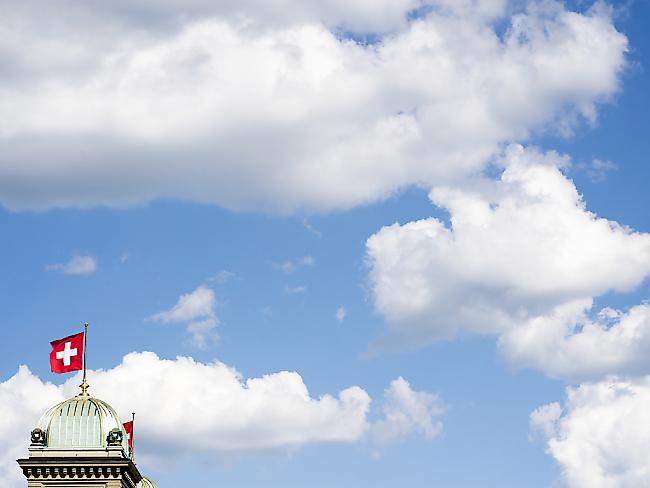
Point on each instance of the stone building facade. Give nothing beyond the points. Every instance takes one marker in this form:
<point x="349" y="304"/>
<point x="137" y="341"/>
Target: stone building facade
<point x="81" y="443"/>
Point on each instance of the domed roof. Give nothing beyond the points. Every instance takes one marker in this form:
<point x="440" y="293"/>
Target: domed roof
<point x="80" y="422"/>
<point x="146" y="483"/>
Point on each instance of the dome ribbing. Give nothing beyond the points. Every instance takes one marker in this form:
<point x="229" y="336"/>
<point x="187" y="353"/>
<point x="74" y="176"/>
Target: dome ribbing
<point x="80" y="422"/>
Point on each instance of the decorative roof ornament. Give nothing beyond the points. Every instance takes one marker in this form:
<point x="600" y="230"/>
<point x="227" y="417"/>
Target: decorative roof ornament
<point x="38" y="437"/>
<point x="114" y="437"/>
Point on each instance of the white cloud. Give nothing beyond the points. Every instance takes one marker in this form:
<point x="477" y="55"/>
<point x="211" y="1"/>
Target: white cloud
<point x="23" y="398"/>
<point x="405" y="412"/>
<point x="190" y="306"/>
<point x="270" y="412"/>
<point x="76" y="265"/>
<point x="295" y="290"/>
<point x="223" y="277"/>
<point x="221" y="413"/>
<point x="543" y="420"/>
<point x="601" y="436"/>
<point x="285" y="266"/>
<point x="308" y="260"/>
<point x="197" y="310"/>
<point x="290" y="266"/>
<point x="341" y="313"/>
<point x="516" y="251"/>
<point x="338" y="123"/>
<point x="307" y="225"/>
<point x="569" y="344"/>
<point x="598" y="169"/>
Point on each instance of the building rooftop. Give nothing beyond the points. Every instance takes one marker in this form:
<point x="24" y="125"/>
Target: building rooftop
<point x="80" y="422"/>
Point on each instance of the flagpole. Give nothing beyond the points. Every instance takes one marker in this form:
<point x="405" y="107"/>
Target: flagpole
<point x="133" y="437"/>
<point x="84" y="384"/>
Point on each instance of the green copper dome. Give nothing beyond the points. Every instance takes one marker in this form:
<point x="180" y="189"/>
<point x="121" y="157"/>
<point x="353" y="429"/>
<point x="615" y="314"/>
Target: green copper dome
<point x="146" y="483"/>
<point x="81" y="422"/>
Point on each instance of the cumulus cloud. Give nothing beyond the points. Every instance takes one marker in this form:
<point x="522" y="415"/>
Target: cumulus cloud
<point x="520" y="250"/>
<point x="76" y="266"/>
<point x="23" y="398"/>
<point x="221" y="413"/>
<point x="569" y="344"/>
<point x="601" y="435"/>
<point x="276" y="108"/>
<point x="273" y="411"/>
<point x="407" y="411"/>
<point x="196" y="309"/>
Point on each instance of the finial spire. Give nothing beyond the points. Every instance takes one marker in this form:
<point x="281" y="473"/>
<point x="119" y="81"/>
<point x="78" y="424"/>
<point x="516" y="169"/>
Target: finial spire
<point x="84" y="384"/>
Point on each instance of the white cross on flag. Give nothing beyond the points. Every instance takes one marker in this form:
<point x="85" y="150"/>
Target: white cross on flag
<point x="128" y="428"/>
<point x="67" y="354"/>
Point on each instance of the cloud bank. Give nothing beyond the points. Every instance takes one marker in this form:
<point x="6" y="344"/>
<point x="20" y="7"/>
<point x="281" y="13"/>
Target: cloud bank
<point x="522" y="258"/>
<point x="279" y="109"/>
<point x="209" y="410"/>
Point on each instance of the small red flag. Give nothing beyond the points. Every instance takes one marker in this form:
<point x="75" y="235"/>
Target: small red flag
<point x="67" y="354"/>
<point x="128" y="427"/>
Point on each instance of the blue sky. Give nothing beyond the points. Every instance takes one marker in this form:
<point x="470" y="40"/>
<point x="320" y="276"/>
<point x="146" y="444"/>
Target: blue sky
<point x="267" y="199"/>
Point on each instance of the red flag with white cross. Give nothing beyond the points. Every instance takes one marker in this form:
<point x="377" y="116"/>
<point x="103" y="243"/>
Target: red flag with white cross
<point x="128" y="427"/>
<point x="67" y="354"/>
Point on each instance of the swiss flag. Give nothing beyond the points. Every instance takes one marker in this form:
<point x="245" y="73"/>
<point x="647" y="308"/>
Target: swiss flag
<point x="128" y="427"/>
<point x="67" y="354"/>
